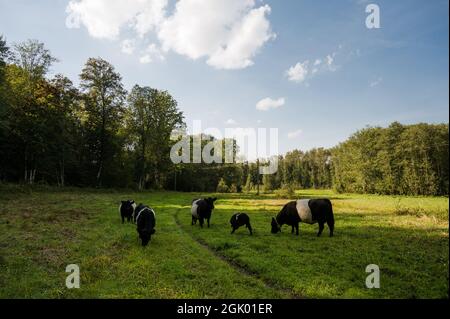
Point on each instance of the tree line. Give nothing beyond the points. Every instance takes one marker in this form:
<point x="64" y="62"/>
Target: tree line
<point x="96" y="134"/>
<point x="100" y="135"/>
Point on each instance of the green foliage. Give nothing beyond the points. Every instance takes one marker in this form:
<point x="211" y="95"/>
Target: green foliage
<point x="233" y="188"/>
<point x="153" y="117"/>
<point x="96" y="135"/>
<point x="33" y="58"/>
<point x="104" y="97"/>
<point x="287" y="191"/>
<point x="248" y="184"/>
<point x="405" y="160"/>
<point x="222" y="187"/>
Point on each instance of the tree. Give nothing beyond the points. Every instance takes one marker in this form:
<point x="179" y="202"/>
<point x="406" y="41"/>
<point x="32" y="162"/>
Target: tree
<point x="34" y="59"/>
<point x="28" y="98"/>
<point x="154" y="115"/>
<point x="65" y="124"/>
<point x="104" y="97"/>
<point x="248" y="184"/>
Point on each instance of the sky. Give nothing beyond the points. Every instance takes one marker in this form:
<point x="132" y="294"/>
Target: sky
<point x="310" y="68"/>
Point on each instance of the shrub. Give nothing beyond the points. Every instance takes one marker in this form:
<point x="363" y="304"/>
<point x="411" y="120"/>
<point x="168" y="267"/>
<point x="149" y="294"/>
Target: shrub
<point x="222" y="187"/>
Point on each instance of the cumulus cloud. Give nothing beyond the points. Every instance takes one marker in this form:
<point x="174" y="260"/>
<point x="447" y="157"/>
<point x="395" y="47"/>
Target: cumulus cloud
<point x="151" y="54"/>
<point x="128" y="46"/>
<point x="295" y="134"/>
<point x="268" y="103"/>
<point x="376" y="82"/>
<point x="298" y="72"/>
<point x="302" y="71"/>
<point x="104" y="19"/>
<point x="227" y="33"/>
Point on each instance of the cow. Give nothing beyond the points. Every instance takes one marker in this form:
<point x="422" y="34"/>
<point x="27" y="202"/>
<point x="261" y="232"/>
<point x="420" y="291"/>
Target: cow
<point x="310" y="211"/>
<point x="240" y="219"/>
<point x="201" y="210"/>
<point x="145" y="219"/>
<point x="126" y="210"/>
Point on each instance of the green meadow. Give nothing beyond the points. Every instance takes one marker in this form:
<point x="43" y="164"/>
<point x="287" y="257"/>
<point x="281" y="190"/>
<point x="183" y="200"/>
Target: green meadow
<point x="44" y="230"/>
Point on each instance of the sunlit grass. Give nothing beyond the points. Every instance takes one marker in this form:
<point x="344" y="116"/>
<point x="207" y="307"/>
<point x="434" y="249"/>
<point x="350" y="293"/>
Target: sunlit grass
<point x="43" y="231"/>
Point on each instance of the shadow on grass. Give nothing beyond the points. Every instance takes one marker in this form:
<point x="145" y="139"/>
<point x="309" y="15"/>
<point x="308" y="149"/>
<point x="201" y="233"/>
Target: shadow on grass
<point x="413" y="261"/>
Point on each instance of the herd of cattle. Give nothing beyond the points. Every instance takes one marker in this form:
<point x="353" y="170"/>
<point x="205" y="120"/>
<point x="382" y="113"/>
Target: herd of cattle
<point x="310" y="211"/>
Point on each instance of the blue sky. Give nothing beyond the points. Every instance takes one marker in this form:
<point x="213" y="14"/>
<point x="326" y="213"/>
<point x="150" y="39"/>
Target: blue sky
<point x="361" y="76"/>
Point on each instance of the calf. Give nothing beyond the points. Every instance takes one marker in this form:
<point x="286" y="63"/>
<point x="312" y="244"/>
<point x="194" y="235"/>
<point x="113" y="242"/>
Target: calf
<point x="126" y="210"/>
<point x="202" y="209"/>
<point x="145" y="219"/>
<point x="240" y="219"/>
<point x="308" y="211"/>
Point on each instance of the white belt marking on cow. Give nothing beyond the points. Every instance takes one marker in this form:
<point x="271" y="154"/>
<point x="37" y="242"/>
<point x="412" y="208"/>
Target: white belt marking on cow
<point x="194" y="208"/>
<point x="144" y="209"/>
<point x="304" y="212"/>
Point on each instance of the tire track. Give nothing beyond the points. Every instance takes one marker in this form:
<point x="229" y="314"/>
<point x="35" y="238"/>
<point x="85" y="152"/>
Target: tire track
<point x="236" y="266"/>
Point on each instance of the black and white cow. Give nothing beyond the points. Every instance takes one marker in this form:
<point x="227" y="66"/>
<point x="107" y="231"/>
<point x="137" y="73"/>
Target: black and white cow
<point x="310" y="211"/>
<point x="202" y="209"/>
<point x="126" y="210"/>
<point x="240" y="219"/>
<point x="145" y="219"/>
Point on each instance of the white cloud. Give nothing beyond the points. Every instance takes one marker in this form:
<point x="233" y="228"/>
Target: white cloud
<point x="230" y="122"/>
<point x="298" y="72"/>
<point x="295" y="134"/>
<point x="302" y="71"/>
<point x="268" y="103"/>
<point x="330" y="59"/>
<point x="151" y="54"/>
<point x="227" y="33"/>
<point x="376" y="82"/>
<point x="128" y="46"/>
<point x="105" y="18"/>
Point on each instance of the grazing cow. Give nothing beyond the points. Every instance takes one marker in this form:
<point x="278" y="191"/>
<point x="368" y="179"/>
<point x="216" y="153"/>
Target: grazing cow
<point x="126" y="210"/>
<point x="145" y="219"/>
<point x="202" y="209"/>
<point x="240" y="219"/>
<point x="308" y="211"/>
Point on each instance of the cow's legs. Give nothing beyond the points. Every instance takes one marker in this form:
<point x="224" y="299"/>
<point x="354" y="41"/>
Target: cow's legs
<point x="330" y="224"/>
<point x="292" y="230"/>
<point x="249" y="227"/>
<point x="201" y="222"/>
<point x="296" y="229"/>
<point x="234" y="229"/>
<point x="321" y="227"/>
<point x="208" y="222"/>
<point x="123" y="219"/>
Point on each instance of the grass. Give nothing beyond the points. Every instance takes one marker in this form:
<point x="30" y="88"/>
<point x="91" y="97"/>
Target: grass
<point x="42" y="231"/>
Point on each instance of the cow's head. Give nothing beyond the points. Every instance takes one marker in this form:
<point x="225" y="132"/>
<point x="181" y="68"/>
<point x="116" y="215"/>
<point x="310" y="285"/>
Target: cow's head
<point x="275" y="226"/>
<point x="145" y="236"/>
<point x="210" y="202"/>
<point x="129" y="203"/>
